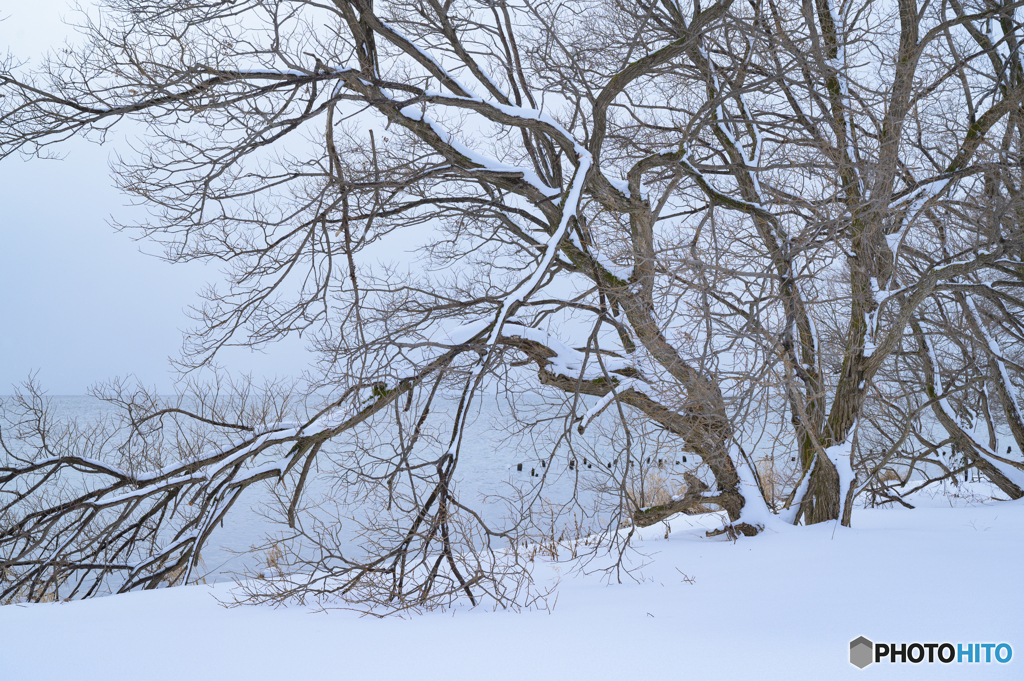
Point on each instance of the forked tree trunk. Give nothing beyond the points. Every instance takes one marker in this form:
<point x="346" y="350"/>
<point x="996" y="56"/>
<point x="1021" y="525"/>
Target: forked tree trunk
<point x="821" y="503"/>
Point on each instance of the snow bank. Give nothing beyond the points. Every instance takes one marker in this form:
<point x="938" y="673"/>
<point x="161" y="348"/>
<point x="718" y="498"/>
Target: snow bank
<point x="783" y="605"/>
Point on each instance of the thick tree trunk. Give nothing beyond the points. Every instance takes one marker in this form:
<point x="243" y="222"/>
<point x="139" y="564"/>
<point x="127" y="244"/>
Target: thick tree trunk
<point x="705" y="435"/>
<point x="821" y="502"/>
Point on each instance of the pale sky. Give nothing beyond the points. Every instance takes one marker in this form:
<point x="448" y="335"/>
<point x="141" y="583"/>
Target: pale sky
<point x="80" y="303"/>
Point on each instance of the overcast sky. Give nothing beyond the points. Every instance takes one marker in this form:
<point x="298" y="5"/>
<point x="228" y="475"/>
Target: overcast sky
<point x="80" y="303"/>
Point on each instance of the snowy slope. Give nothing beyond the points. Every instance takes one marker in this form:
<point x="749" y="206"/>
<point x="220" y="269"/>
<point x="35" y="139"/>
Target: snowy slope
<point x="783" y="605"/>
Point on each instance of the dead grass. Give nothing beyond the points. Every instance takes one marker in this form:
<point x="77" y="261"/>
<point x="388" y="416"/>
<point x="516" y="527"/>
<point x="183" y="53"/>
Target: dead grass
<point x="888" y="475"/>
<point x="776" y="480"/>
<point x="22" y="595"/>
<point x="175" y="577"/>
<point x="655" y="489"/>
<point x="659" y="488"/>
<point x="272" y="559"/>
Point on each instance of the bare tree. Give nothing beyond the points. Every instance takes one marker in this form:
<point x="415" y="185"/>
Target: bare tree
<point x="680" y="224"/>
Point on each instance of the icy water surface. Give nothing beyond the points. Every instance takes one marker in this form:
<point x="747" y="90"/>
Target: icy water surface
<point x="488" y="469"/>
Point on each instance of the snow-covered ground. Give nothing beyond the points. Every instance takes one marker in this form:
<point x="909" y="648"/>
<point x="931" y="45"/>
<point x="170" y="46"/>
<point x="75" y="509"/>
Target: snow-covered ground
<point x="784" y="605"/>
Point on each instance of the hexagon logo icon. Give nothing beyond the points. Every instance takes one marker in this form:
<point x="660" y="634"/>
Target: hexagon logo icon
<point x="861" y="651"/>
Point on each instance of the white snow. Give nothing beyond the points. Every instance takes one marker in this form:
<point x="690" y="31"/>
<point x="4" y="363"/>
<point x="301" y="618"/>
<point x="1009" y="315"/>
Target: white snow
<point x="915" y="202"/>
<point x="526" y="287"/>
<point x="755" y="511"/>
<point x="840" y="455"/>
<point x="465" y="332"/>
<point x="784" y="605"/>
<point x="106" y="502"/>
<point x="997" y="354"/>
<point x="789" y="515"/>
<point x="603" y="403"/>
<point x="484" y="162"/>
<point x="568" y="361"/>
<point x="1013" y="474"/>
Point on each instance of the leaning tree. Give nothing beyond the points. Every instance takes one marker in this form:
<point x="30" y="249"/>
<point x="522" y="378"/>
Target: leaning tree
<point x="695" y="225"/>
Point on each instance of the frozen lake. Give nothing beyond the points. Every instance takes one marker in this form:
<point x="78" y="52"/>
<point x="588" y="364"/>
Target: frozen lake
<point x="487" y="472"/>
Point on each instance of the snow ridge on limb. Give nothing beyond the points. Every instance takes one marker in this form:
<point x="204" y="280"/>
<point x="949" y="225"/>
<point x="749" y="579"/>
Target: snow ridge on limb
<point x="521" y="293"/>
<point x="602" y="404"/>
<point x="755" y="513"/>
<point x="794" y="505"/>
<point x="570" y="208"/>
<point x="478" y="161"/>
<point x="1009" y="479"/>
<point x="841" y="456"/>
<point x="1014" y="415"/>
<point x="1013" y="473"/>
<point x="189" y="497"/>
<point x="564" y="368"/>
<point x="559" y="359"/>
